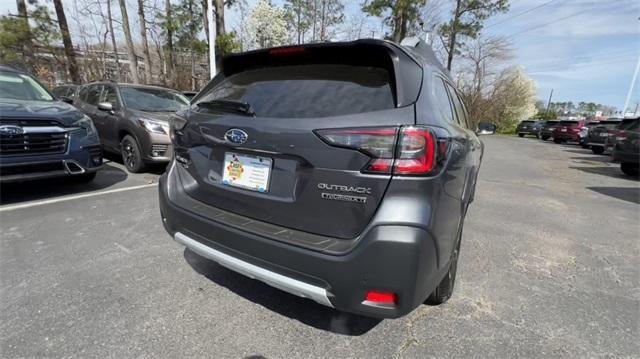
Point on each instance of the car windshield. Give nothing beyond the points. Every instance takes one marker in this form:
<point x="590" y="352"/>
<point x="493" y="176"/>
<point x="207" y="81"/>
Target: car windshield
<point x="16" y="86"/>
<point x="153" y="99"/>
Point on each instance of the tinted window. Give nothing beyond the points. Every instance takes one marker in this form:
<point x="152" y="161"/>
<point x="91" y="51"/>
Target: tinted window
<point x="93" y="96"/>
<point x="109" y="95"/>
<point x="153" y="99"/>
<point x="635" y="126"/>
<point x="443" y="103"/>
<point x="18" y="86"/>
<point x="59" y="91"/>
<point x="307" y="90"/>
<point x="84" y="91"/>
<point x="626" y="123"/>
<point x="527" y="121"/>
<point x="569" y="123"/>
<point x="457" y="102"/>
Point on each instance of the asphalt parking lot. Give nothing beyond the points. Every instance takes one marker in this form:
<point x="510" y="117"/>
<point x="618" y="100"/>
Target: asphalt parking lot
<point x="549" y="268"/>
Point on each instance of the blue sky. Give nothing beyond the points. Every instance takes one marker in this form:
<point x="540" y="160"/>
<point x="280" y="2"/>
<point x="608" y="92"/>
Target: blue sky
<point x="586" y="50"/>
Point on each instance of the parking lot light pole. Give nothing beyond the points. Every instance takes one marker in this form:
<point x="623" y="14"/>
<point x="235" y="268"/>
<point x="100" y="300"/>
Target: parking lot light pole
<point x="633" y="84"/>
<point x="212" y="40"/>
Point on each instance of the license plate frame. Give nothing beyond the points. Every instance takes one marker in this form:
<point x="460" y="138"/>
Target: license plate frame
<point x="247" y="171"/>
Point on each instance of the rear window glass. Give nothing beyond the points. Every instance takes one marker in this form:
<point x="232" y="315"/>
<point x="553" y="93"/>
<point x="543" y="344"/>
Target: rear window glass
<point x="308" y="90"/>
<point x="625" y="124"/>
<point x="527" y="122"/>
<point x="568" y="123"/>
<point x="608" y="124"/>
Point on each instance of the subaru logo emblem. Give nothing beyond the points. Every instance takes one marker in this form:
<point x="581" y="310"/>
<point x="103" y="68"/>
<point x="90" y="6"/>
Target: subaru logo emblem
<point x="11" y="130"/>
<point x="236" y="136"/>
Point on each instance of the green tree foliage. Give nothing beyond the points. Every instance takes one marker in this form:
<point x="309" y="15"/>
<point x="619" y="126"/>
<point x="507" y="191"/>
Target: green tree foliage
<point x="400" y="15"/>
<point x="14" y="32"/>
<point x="227" y="44"/>
<point x="299" y="17"/>
<point x="467" y="20"/>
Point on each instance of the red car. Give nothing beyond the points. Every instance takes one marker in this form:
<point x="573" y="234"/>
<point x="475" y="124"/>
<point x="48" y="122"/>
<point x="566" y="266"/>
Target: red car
<point x="568" y="131"/>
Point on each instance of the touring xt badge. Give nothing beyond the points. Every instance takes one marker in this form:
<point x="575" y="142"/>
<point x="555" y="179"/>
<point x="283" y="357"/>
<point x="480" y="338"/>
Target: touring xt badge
<point x="344" y="197"/>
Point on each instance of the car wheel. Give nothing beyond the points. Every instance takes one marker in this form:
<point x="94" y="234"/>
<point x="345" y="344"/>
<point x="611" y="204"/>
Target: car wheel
<point x="597" y="150"/>
<point x="586" y="147"/>
<point x="444" y="290"/>
<point x="521" y="135"/>
<point x="131" y="155"/>
<point x="544" y="138"/>
<point x="537" y="135"/>
<point x="557" y="140"/>
<point x="85" y="177"/>
<point x="630" y="169"/>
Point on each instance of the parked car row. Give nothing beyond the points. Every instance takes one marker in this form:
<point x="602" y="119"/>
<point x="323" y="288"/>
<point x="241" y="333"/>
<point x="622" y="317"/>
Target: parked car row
<point x="63" y="132"/>
<point x="614" y="136"/>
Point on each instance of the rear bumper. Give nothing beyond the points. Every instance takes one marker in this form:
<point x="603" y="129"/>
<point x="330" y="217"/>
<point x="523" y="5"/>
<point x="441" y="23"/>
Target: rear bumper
<point x="566" y="136"/>
<point x="400" y="259"/>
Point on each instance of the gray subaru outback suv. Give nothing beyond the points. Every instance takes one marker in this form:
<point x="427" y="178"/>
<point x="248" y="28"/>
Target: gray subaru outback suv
<point x="338" y="172"/>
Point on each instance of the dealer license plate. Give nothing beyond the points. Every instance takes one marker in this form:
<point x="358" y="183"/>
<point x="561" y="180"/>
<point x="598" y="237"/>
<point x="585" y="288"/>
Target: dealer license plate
<point x="249" y="172"/>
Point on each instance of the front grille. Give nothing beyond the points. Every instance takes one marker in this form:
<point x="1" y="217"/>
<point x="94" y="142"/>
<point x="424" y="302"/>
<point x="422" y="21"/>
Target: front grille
<point x="28" y="122"/>
<point x="33" y="143"/>
<point x="31" y="168"/>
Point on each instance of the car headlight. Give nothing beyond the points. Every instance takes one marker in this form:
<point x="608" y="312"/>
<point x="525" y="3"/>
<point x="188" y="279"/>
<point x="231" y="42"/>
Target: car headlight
<point x="86" y="124"/>
<point x="154" y="126"/>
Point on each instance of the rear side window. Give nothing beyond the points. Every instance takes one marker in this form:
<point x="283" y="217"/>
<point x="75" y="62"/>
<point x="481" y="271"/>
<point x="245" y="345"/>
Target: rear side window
<point x="93" y="96"/>
<point x="304" y="91"/>
<point x="457" y="102"/>
<point x="443" y="102"/>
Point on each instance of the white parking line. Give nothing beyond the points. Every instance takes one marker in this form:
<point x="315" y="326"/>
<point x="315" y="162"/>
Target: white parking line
<point x="69" y="198"/>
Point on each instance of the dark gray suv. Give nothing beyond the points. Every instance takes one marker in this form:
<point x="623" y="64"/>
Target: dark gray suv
<point x="132" y="119"/>
<point x="338" y="172"/>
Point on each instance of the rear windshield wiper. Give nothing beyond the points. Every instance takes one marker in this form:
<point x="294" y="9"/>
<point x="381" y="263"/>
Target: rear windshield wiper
<point x="229" y="105"/>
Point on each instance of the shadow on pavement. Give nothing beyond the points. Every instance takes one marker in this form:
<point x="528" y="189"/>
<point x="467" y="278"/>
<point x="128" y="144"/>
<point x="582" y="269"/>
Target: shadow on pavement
<point x="55" y="187"/>
<point x="629" y="194"/>
<point x="301" y="309"/>
<point x="610" y="171"/>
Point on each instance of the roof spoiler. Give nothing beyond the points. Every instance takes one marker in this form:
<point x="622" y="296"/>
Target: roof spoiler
<point x="418" y="46"/>
<point x="404" y="68"/>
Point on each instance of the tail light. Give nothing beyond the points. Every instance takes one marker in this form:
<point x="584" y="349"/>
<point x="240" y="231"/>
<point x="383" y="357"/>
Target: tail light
<point x="621" y="135"/>
<point x="409" y="150"/>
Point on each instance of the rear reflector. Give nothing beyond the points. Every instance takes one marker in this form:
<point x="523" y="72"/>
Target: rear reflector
<point x="381" y="297"/>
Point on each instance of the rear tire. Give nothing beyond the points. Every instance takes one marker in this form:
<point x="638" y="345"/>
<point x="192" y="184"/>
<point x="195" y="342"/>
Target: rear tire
<point x="630" y="169"/>
<point x="557" y="140"/>
<point x="521" y="135"/>
<point x="537" y="135"/>
<point x="131" y="155"/>
<point x="597" y="150"/>
<point x="444" y="290"/>
<point x="544" y="138"/>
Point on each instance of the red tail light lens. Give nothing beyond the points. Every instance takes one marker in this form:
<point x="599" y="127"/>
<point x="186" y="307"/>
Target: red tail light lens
<point x="376" y="142"/>
<point x="381" y="297"/>
<point x="283" y="51"/>
<point x="414" y="150"/>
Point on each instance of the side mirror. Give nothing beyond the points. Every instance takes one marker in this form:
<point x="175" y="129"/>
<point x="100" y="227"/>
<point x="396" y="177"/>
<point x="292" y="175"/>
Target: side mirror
<point x="486" y="128"/>
<point x="105" y="106"/>
<point x="66" y="99"/>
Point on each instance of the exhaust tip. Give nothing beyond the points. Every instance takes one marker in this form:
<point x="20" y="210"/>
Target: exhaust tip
<point x="73" y="167"/>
